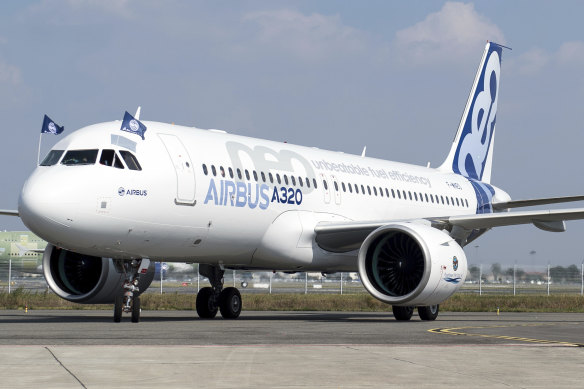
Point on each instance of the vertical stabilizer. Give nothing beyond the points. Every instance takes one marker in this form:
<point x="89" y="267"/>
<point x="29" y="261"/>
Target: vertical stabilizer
<point x="471" y="154"/>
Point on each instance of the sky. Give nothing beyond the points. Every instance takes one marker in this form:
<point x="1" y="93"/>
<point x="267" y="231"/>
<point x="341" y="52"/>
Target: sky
<point x="338" y="75"/>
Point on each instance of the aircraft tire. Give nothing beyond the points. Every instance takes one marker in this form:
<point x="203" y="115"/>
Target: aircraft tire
<point x="203" y="304"/>
<point x="118" y="308"/>
<point x="230" y="303"/>
<point x="402" y="313"/>
<point x="136" y="309"/>
<point x="428" y="312"/>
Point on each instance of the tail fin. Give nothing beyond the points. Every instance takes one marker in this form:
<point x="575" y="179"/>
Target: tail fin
<point x="471" y="154"/>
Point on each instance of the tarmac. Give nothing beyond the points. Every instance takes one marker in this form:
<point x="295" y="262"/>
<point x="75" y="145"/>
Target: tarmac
<point x="85" y="349"/>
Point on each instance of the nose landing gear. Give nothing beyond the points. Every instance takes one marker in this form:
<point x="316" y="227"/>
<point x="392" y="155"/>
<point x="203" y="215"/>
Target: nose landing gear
<point x="128" y="302"/>
<point x="215" y="298"/>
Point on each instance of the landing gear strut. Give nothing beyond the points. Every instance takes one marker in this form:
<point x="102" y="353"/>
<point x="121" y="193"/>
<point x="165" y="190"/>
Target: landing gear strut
<point x="129" y="302"/>
<point x="215" y="298"/>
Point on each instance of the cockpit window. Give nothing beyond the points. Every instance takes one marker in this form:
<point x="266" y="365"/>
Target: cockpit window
<point x="79" y="157"/>
<point x="130" y="160"/>
<point x="110" y="158"/>
<point x="52" y="157"/>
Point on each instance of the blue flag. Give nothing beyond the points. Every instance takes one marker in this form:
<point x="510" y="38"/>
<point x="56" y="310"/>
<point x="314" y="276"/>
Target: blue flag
<point x="129" y="124"/>
<point x="51" y="127"/>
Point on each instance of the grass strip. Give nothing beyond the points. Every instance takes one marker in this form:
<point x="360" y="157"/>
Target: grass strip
<point x="21" y="299"/>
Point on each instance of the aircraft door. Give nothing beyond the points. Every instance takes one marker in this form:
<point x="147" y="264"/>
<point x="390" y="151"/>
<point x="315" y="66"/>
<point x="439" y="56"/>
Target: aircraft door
<point x="326" y="189"/>
<point x="183" y="167"/>
<point x="337" y="190"/>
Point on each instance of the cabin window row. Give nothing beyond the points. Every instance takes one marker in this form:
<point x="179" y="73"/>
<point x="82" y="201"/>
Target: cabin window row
<point x="351" y="188"/>
<point x="269" y="177"/>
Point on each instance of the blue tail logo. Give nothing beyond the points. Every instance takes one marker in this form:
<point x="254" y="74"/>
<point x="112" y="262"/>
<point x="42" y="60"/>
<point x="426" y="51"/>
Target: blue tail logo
<point x="470" y="158"/>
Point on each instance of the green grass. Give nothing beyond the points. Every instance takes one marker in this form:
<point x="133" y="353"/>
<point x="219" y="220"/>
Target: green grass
<point x="361" y="302"/>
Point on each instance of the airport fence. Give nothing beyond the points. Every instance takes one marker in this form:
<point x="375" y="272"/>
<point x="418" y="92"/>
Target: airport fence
<point x="481" y="279"/>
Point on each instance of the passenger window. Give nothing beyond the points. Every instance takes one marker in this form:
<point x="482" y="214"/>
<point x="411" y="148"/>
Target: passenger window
<point x="307" y="182"/>
<point x="362" y="189"/>
<point x="278" y="178"/>
<point x="263" y="176"/>
<point x="247" y="174"/>
<point x="255" y="175"/>
<point x="52" y="157"/>
<point x="293" y="180"/>
<point x="343" y="185"/>
<point x="386" y="192"/>
<point x="415" y="196"/>
<point x="457" y="203"/>
<point x="356" y="188"/>
<point x="222" y="171"/>
<point x="336" y="186"/>
<point x="239" y="173"/>
<point x="80" y="157"/>
<point x="374" y="191"/>
<point x="205" y="169"/>
<point x="325" y="184"/>
<point x="410" y="193"/>
<point x="286" y="179"/>
<point x="230" y="172"/>
<point x="393" y="193"/>
<point x="398" y="195"/>
<point x="271" y="178"/>
<point x="131" y="161"/>
<point x="404" y="193"/>
<point x="314" y="182"/>
<point x="442" y="199"/>
<point x="213" y="170"/>
<point x="426" y="195"/>
<point x="350" y="187"/>
<point x="300" y="181"/>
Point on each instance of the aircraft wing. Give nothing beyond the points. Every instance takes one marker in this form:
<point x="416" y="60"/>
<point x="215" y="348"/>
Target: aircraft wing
<point x="8" y="212"/>
<point x="534" y="202"/>
<point x="347" y="236"/>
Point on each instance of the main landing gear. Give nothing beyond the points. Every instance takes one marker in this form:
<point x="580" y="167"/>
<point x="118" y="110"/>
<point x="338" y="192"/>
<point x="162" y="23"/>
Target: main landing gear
<point x="216" y="298"/>
<point x="429" y="312"/>
<point x="129" y="300"/>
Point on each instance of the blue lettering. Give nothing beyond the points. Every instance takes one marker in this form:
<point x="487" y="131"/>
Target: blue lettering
<point x="229" y="192"/>
<point x="264" y="195"/>
<point x="298" y="196"/>
<point x="283" y="197"/>
<point x="211" y="193"/>
<point x="275" y="196"/>
<point x="290" y="196"/>
<point x="241" y="195"/>
<point x="251" y="204"/>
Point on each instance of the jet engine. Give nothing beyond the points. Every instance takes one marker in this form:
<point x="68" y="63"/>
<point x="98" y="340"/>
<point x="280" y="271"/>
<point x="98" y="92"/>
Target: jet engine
<point x="85" y="279"/>
<point x="408" y="264"/>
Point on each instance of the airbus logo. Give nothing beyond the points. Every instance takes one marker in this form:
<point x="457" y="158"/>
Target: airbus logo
<point x="134" y="125"/>
<point x="121" y="191"/>
<point x="52" y="128"/>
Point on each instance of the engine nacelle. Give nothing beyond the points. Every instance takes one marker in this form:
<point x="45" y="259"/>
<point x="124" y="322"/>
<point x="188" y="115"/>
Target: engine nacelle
<point x="85" y="279"/>
<point x="411" y="264"/>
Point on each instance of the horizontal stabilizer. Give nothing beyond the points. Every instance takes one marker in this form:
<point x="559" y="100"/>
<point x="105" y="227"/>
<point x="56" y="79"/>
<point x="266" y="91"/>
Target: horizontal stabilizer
<point x="534" y="202"/>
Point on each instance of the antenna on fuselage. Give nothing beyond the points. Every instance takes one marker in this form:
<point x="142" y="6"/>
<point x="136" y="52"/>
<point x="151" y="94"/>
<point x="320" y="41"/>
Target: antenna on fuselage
<point x="364" y="150"/>
<point x="137" y="115"/>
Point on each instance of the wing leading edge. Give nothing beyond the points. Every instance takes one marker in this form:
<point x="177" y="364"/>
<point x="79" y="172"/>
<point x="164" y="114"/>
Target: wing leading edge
<point x="8" y="212"/>
<point x="348" y="236"/>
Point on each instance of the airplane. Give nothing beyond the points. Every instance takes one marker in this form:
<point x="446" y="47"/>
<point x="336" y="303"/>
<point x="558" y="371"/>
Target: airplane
<point x="110" y="202"/>
<point x="24" y="249"/>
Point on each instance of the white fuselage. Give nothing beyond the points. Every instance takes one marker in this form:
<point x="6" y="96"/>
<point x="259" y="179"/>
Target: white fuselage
<point x="188" y="203"/>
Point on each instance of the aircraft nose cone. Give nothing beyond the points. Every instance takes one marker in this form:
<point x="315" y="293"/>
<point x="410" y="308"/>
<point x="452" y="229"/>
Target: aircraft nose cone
<point x="42" y="205"/>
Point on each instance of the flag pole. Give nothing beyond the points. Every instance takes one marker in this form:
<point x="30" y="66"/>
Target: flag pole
<point x="39" y="153"/>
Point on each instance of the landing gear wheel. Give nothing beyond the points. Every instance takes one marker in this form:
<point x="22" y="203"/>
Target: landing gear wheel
<point x="230" y="303"/>
<point x="429" y="313"/>
<point x="402" y="313"/>
<point x="206" y="308"/>
<point x="118" y="302"/>
<point x="136" y="309"/>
